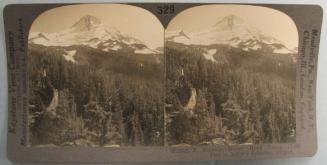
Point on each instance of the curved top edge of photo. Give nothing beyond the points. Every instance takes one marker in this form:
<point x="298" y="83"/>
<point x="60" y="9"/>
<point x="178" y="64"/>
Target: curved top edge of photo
<point x="247" y="26"/>
<point x="90" y="24"/>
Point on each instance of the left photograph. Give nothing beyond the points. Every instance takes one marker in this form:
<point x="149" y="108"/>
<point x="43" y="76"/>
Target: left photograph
<point x="96" y="77"/>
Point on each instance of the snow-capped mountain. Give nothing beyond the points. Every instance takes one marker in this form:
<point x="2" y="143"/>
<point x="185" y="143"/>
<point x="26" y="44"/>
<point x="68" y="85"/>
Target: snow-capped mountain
<point x="231" y="30"/>
<point x="89" y="31"/>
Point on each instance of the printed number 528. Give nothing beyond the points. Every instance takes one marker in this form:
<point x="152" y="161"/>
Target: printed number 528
<point x="166" y="9"/>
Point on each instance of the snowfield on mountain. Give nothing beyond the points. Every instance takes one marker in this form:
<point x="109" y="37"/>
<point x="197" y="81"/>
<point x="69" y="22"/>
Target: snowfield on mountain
<point x="89" y="31"/>
<point x="233" y="31"/>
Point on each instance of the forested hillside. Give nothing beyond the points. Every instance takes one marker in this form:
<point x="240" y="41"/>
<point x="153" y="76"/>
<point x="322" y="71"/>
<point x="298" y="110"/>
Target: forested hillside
<point x="239" y="97"/>
<point x="97" y="99"/>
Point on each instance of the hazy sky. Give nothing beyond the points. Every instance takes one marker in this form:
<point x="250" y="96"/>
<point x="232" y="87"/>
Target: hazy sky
<point x="141" y="24"/>
<point x="131" y="20"/>
<point x="269" y="21"/>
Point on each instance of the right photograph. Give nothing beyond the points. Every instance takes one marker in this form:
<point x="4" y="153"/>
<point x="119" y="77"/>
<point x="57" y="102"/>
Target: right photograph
<point x="230" y="76"/>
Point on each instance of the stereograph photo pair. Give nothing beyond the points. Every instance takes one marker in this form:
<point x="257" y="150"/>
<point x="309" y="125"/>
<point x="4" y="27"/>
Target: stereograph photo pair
<point x="161" y="82"/>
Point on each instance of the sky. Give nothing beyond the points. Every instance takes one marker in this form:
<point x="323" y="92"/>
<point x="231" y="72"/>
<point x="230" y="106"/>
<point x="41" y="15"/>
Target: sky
<point x="130" y="20"/>
<point x="143" y="25"/>
<point x="269" y="21"/>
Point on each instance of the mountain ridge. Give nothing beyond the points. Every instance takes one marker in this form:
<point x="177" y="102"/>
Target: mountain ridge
<point x="89" y="31"/>
<point x="230" y="30"/>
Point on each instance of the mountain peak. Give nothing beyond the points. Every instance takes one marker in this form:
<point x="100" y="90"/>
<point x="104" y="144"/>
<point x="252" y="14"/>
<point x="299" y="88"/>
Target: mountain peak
<point x="182" y="33"/>
<point x="86" y="23"/>
<point x="228" y="22"/>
